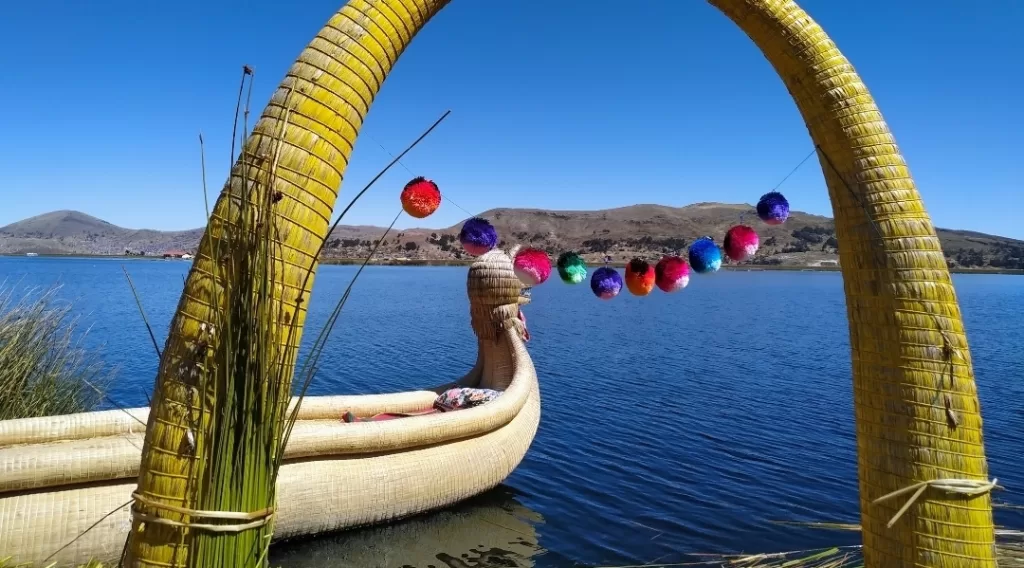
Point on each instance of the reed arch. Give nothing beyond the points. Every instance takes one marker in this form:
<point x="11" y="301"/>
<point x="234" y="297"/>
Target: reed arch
<point x="917" y="412"/>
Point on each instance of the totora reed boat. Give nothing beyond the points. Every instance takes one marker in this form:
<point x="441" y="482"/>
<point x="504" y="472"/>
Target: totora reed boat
<point x="66" y="482"/>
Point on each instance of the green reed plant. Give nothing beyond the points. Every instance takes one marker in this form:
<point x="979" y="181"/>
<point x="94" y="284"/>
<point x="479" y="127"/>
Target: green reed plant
<point x="234" y="378"/>
<point x="245" y="375"/>
<point x="44" y="368"/>
<point x="238" y="375"/>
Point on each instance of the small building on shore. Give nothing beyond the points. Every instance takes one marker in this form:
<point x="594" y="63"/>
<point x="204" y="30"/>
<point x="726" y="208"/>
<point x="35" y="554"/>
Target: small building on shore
<point x="177" y="254"/>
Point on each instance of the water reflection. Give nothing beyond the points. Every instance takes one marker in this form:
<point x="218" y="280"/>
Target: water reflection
<point x="492" y="530"/>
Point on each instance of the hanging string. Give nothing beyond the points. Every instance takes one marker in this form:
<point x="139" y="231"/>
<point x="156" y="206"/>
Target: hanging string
<point x="607" y="258"/>
<point x="468" y="214"/>
<point x="807" y="157"/>
<point x="742" y="215"/>
<point x="443" y="194"/>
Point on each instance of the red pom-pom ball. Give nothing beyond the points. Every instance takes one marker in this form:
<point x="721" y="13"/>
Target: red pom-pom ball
<point x="741" y="242"/>
<point x="639" y="277"/>
<point x="421" y="197"/>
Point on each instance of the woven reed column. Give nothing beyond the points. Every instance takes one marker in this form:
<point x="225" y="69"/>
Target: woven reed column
<point x="909" y="351"/>
<point x="325" y="95"/>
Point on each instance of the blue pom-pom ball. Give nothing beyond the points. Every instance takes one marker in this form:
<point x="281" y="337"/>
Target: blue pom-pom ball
<point x="705" y="256"/>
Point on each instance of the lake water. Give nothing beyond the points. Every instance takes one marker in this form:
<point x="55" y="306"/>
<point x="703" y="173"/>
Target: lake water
<point x="670" y="424"/>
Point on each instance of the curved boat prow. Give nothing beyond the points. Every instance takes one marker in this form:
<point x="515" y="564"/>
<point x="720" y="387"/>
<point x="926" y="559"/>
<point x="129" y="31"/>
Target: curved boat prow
<point x="66" y="482"/>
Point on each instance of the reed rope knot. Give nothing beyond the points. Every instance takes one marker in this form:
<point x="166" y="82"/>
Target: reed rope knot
<point x="963" y="487"/>
<point x="254" y="519"/>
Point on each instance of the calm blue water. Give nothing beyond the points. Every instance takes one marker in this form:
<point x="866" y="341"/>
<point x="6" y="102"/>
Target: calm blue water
<point x="671" y="424"/>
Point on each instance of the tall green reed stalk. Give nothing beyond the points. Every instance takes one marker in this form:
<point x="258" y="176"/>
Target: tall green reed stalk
<point x="246" y="377"/>
<point x="44" y="367"/>
<point x="241" y="368"/>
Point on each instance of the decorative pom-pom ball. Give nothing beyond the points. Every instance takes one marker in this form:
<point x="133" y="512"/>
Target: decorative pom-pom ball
<point x="532" y="266"/>
<point x="741" y="242"/>
<point x="773" y="208"/>
<point x="571" y="268"/>
<point x="478" y="236"/>
<point x="606" y="283"/>
<point x="639" y="277"/>
<point x="671" y="274"/>
<point x="705" y="256"/>
<point x="421" y="197"/>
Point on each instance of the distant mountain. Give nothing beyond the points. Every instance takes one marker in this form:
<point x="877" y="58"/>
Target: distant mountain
<point x="622" y="233"/>
<point x="73" y="232"/>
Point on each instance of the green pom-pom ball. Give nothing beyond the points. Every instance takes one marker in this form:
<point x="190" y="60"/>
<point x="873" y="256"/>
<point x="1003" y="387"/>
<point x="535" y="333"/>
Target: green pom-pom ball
<point x="571" y="268"/>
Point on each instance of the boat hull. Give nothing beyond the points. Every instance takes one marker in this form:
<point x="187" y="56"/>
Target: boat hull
<point x="315" y="495"/>
<point x="68" y="483"/>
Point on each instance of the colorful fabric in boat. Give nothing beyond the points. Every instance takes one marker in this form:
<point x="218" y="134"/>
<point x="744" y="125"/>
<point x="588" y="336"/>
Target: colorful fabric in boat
<point x="464" y="397"/>
<point x="351" y="417"/>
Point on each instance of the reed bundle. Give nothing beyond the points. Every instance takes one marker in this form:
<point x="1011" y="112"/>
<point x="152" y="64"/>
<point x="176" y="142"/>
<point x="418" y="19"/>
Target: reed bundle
<point x="221" y="414"/>
<point x="235" y="380"/>
<point x="243" y="367"/>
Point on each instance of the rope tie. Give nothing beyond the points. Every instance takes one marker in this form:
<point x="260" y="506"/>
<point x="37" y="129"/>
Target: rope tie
<point x="963" y="487"/>
<point x="255" y="519"/>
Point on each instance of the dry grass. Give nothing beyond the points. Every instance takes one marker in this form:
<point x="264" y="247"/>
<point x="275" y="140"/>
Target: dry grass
<point x="6" y="563"/>
<point x="1009" y="553"/>
<point x="1010" y="548"/>
<point x="836" y="557"/>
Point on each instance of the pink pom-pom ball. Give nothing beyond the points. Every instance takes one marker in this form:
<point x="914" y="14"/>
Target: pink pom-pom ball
<point x="741" y="242"/>
<point x="532" y="266"/>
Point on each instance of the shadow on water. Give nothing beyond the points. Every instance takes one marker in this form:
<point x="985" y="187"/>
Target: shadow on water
<point x="490" y="531"/>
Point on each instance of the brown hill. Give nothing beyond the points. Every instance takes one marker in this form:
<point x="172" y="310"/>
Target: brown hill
<point x="73" y="232"/>
<point x="622" y="233"/>
<point x="652" y="230"/>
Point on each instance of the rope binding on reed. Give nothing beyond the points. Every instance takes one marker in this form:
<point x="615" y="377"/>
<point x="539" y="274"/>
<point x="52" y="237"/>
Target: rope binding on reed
<point x="962" y="487"/>
<point x="254" y="520"/>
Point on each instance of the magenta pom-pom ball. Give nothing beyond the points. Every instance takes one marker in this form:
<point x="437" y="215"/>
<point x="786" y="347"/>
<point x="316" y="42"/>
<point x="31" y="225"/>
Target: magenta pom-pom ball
<point x="671" y="274"/>
<point x="532" y="266"/>
<point x="741" y="242"/>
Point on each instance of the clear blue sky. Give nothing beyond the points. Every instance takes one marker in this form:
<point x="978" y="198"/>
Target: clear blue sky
<point x="565" y="104"/>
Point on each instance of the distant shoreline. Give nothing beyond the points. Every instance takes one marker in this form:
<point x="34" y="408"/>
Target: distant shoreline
<point x="429" y="262"/>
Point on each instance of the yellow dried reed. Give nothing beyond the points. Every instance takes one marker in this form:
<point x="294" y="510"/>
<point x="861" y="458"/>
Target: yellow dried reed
<point x="230" y="393"/>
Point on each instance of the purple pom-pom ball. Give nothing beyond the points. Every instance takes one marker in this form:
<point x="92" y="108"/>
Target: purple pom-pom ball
<point x="606" y="283"/>
<point x="773" y="208"/>
<point x="478" y="236"/>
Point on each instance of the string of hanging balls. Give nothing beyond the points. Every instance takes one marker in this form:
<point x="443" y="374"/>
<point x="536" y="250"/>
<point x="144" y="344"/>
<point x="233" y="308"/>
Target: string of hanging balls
<point x="421" y="197"/>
